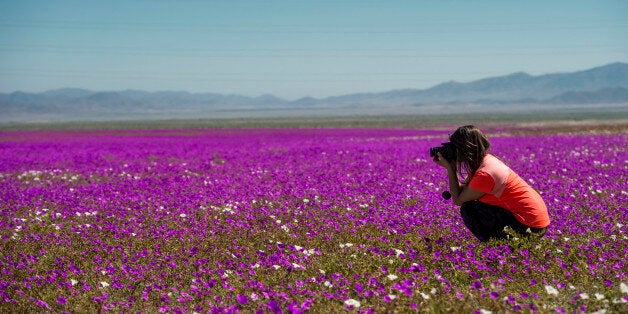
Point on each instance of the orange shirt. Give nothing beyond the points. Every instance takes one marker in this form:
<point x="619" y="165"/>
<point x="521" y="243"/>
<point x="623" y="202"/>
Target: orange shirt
<point x="504" y="188"/>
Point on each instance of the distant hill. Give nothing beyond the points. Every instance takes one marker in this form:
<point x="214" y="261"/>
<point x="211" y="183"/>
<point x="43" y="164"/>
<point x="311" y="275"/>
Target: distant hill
<point x="601" y="85"/>
<point x="504" y="88"/>
<point x="606" y="95"/>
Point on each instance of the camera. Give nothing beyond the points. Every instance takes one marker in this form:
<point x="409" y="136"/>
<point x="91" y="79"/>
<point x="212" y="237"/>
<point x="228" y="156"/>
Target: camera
<point x="446" y="150"/>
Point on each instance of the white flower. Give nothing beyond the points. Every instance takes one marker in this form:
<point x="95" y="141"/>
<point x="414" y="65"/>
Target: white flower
<point x="297" y="266"/>
<point x="327" y="284"/>
<point x="425" y="296"/>
<point x="73" y="281"/>
<point x="584" y="296"/>
<point x="276" y="266"/>
<point x="600" y="296"/>
<point x="183" y="215"/>
<point x="104" y="284"/>
<point x="483" y="311"/>
<point x="623" y="288"/>
<point x="551" y="290"/>
<point x="353" y="303"/>
<point x="392" y="296"/>
<point x="399" y="252"/>
<point x="392" y="277"/>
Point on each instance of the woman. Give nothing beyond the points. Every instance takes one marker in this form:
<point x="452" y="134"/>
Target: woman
<point x="492" y="196"/>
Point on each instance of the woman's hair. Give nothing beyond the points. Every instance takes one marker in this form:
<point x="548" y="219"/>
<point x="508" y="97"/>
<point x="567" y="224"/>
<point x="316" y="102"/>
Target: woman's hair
<point x="471" y="146"/>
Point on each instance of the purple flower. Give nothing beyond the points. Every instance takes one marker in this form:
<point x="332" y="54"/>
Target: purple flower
<point x="307" y="303"/>
<point x="274" y="306"/>
<point x="494" y="295"/>
<point x="416" y="268"/>
<point x="41" y="303"/>
<point x="459" y="295"/>
<point x="359" y="288"/>
<point x="61" y="300"/>
<point x="242" y="299"/>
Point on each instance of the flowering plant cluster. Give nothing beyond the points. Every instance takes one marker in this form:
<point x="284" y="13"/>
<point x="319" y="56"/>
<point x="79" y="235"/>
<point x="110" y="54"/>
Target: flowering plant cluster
<point x="291" y="220"/>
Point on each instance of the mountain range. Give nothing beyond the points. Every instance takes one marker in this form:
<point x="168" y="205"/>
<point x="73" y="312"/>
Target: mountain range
<point x="604" y="85"/>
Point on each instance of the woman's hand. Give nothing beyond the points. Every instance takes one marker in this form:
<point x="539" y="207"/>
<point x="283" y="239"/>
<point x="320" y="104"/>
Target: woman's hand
<point x="443" y="162"/>
<point x="459" y="193"/>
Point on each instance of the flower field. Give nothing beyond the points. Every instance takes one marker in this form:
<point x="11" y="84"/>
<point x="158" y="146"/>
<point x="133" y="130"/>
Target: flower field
<point x="298" y="220"/>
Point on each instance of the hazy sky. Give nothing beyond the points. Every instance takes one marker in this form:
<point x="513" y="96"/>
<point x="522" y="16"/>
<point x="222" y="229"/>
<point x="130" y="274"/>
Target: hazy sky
<point x="298" y="48"/>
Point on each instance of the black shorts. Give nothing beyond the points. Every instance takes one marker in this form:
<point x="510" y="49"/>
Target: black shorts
<point x="488" y="221"/>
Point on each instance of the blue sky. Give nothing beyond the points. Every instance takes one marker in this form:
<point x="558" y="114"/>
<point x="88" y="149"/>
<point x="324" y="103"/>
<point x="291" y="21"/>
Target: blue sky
<point x="298" y="48"/>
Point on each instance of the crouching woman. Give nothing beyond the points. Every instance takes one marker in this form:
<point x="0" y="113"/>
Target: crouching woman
<point x="492" y="196"/>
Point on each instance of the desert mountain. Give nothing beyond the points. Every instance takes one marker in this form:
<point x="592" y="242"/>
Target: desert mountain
<point x="601" y="85"/>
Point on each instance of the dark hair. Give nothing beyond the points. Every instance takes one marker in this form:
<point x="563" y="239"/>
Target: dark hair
<point x="471" y="146"/>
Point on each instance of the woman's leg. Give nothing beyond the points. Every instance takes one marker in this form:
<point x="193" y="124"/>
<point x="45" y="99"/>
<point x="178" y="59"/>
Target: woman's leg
<point x="486" y="221"/>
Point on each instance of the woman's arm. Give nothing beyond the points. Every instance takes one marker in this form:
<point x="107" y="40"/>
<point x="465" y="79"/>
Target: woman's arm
<point x="459" y="193"/>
